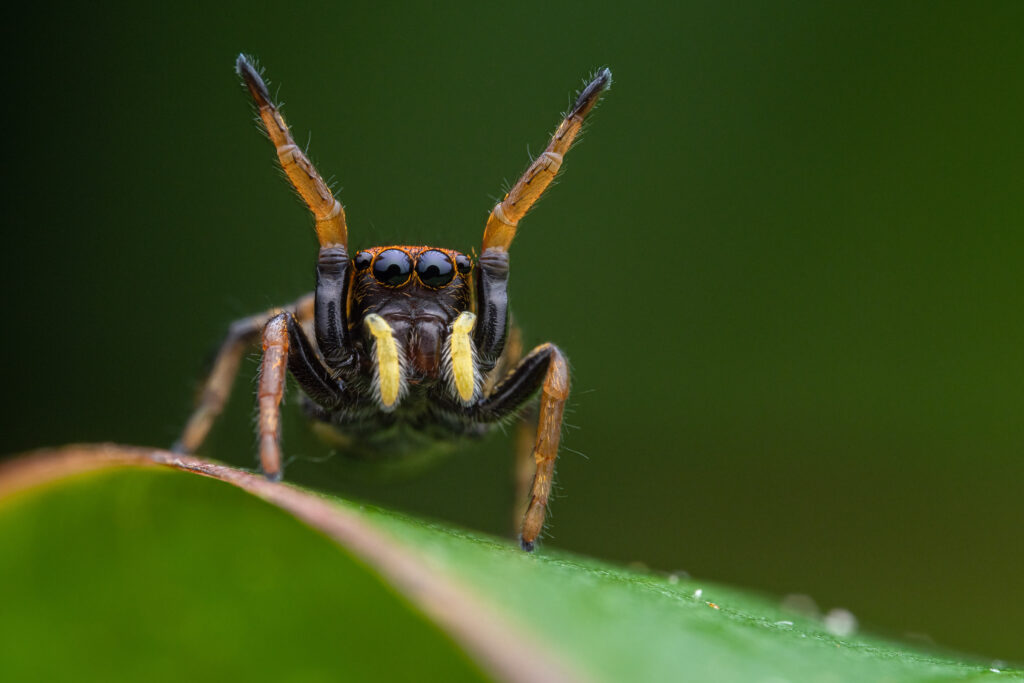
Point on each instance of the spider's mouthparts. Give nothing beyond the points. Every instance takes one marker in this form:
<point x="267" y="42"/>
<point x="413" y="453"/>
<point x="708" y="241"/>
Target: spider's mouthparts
<point x="423" y="339"/>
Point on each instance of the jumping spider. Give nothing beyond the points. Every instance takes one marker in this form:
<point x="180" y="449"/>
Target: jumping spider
<point x="402" y="345"/>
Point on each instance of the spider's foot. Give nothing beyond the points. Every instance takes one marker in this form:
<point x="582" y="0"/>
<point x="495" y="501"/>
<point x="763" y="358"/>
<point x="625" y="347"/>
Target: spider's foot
<point x="526" y="545"/>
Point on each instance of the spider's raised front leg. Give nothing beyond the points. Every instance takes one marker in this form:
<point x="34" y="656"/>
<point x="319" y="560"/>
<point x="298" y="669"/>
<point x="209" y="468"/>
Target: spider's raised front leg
<point x="331" y="228"/>
<point x="216" y="387"/>
<point x="503" y="222"/>
<point x="286" y="348"/>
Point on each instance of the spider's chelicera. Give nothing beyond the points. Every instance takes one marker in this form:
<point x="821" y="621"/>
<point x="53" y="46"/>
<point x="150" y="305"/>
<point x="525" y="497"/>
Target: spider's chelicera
<point x="401" y="346"/>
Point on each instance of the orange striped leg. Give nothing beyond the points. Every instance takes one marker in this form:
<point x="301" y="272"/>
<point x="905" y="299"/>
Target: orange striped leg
<point x="504" y="219"/>
<point x="554" y="394"/>
<point x="287" y="348"/>
<point x="216" y="388"/>
<point x="330" y="216"/>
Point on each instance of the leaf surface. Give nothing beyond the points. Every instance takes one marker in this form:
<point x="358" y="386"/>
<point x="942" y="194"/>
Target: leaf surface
<point x="121" y="563"/>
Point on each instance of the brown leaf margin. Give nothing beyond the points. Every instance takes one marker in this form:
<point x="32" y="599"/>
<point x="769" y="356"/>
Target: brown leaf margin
<point x="501" y="648"/>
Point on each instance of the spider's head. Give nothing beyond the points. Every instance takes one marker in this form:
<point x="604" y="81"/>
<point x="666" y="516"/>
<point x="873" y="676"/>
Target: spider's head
<point x="412" y="295"/>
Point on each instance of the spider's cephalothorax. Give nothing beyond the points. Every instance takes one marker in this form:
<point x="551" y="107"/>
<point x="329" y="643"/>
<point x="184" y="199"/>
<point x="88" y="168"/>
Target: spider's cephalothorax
<point x="403" y="344"/>
<point x="418" y="294"/>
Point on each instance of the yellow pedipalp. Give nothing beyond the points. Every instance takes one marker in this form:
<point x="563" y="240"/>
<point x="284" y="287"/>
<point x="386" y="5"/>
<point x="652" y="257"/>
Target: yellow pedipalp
<point x="462" y="356"/>
<point x="389" y="371"/>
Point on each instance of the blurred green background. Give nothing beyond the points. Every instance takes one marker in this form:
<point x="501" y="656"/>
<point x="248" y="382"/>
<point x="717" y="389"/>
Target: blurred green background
<point x="784" y="262"/>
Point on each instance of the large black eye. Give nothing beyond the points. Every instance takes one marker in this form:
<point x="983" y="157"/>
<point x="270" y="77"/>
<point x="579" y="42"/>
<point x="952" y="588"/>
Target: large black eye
<point x="392" y="267"/>
<point x="435" y="268"/>
<point x="362" y="260"/>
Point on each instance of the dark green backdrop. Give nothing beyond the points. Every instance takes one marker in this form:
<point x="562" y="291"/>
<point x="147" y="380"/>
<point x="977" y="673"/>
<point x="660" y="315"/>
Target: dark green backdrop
<point x="785" y="262"/>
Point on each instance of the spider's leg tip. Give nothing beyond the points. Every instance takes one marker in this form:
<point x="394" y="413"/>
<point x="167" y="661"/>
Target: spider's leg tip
<point x="242" y="64"/>
<point x="526" y="545"/>
<point x="248" y="73"/>
<point x="590" y="94"/>
<point x="179" y="448"/>
<point x="274" y="477"/>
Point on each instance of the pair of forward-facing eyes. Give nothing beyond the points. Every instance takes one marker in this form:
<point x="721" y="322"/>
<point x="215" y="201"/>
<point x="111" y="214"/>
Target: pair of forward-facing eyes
<point x="394" y="267"/>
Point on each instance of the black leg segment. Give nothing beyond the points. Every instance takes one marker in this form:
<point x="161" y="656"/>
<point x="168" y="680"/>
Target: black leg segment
<point x="492" y="307"/>
<point x="518" y="388"/>
<point x="331" y="323"/>
<point x="308" y="371"/>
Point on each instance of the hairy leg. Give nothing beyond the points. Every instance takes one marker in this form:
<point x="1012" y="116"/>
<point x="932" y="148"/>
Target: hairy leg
<point x="216" y="387"/>
<point x="546" y="369"/>
<point x="286" y="348"/>
<point x="504" y="219"/>
<point x="331" y="228"/>
<point x="554" y="394"/>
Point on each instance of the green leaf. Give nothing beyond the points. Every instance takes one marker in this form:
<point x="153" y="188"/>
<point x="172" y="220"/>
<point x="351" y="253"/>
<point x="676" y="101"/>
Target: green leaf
<point x="112" y="572"/>
<point x="149" y="575"/>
